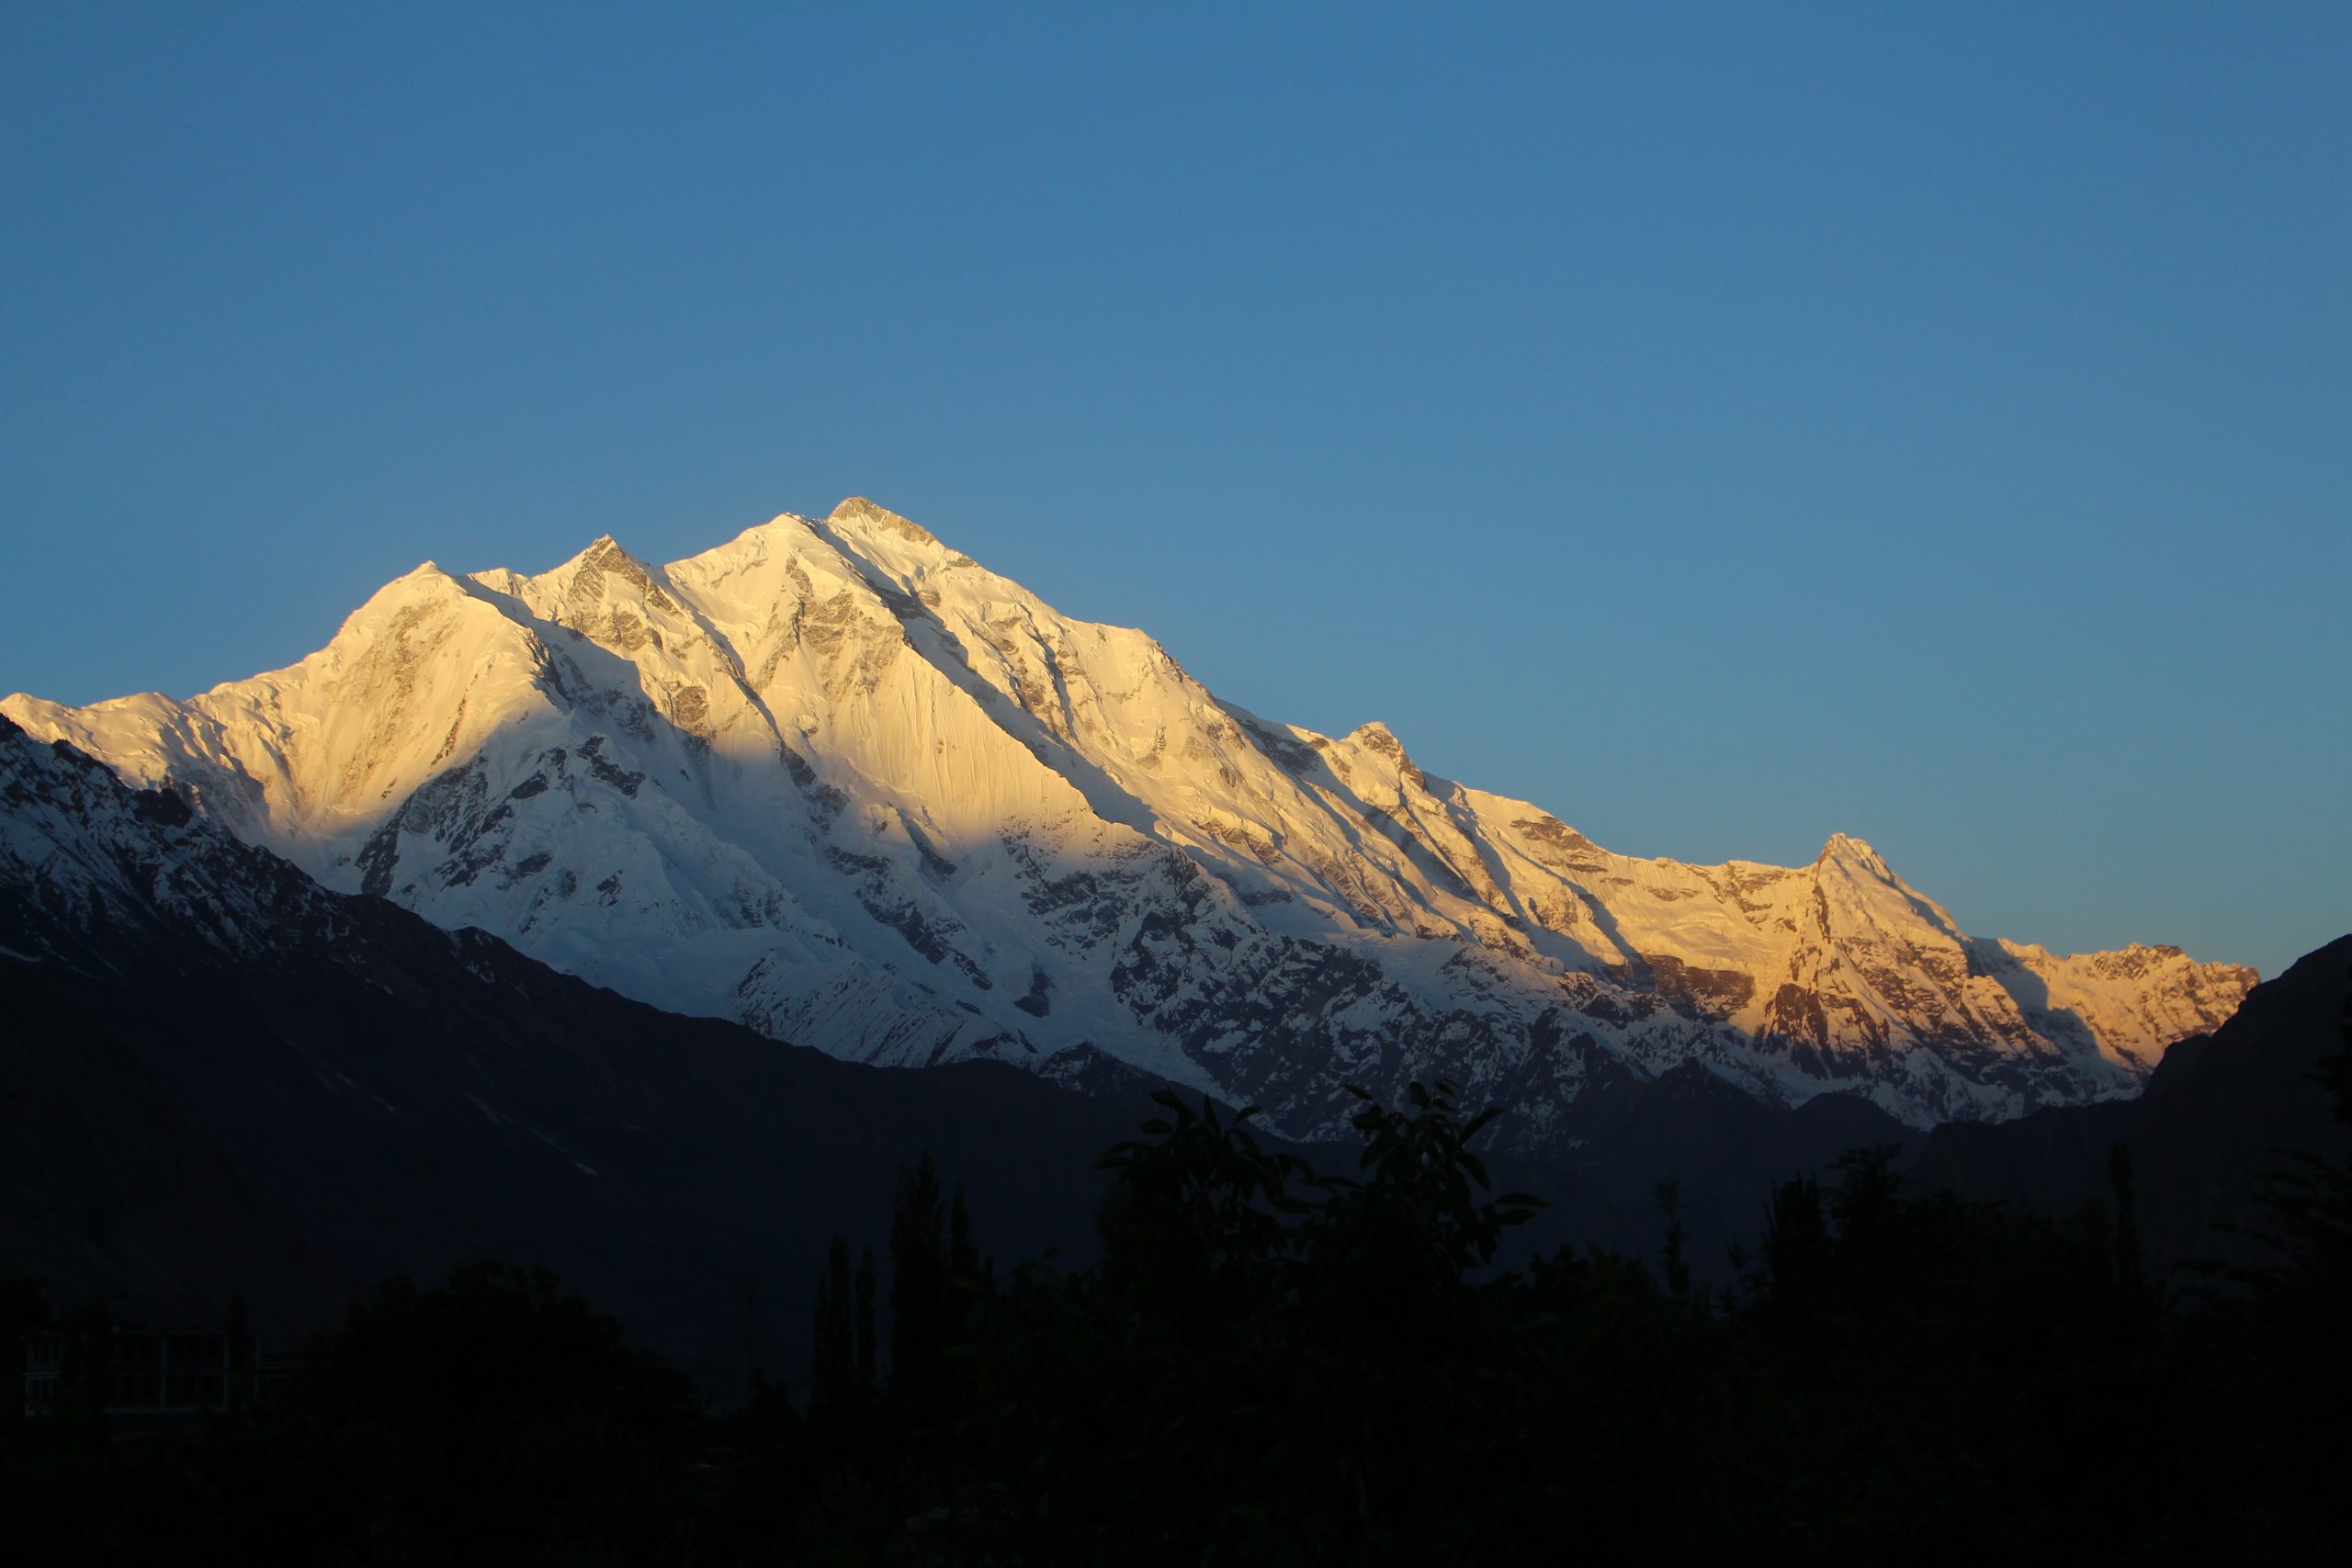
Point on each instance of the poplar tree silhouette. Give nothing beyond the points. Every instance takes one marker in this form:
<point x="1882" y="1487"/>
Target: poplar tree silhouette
<point x="833" y="1372"/>
<point x="864" y="1320"/>
<point x="1677" y="1264"/>
<point x="918" y="1279"/>
<point x="968" y="1276"/>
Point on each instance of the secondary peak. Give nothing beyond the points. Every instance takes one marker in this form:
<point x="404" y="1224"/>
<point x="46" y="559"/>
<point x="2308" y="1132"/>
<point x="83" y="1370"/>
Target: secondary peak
<point x="1378" y="739"/>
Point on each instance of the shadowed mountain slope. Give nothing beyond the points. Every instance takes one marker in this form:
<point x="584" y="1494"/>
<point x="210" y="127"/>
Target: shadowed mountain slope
<point x="2220" y="1111"/>
<point x="107" y="1188"/>
<point x="192" y="1022"/>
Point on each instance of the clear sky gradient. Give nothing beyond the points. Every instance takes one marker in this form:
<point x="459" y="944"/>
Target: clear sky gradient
<point x="1723" y="425"/>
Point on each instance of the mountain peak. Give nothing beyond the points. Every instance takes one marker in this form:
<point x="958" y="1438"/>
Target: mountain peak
<point x="857" y="512"/>
<point x="605" y="557"/>
<point x="1378" y="739"/>
<point x="427" y="582"/>
<point x="1845" y="847"/>
<point x="1856" y="859"/>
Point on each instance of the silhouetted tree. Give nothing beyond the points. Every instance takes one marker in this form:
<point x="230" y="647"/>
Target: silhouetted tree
<point x="494" y="1416"/>
<point x="833" y="1368"/>
<point x="867" y="1336"/>
<point x="2131" y="1280"/>
<point x="1669" y="1196"/>
<point x="918" y="1278"/>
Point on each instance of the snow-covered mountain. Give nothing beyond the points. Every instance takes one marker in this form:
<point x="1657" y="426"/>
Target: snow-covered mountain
<point x="840" y="783"/>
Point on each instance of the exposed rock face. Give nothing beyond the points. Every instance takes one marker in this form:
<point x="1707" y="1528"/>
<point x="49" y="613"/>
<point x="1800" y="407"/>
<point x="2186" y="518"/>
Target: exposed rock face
<point x="839" y="783"/>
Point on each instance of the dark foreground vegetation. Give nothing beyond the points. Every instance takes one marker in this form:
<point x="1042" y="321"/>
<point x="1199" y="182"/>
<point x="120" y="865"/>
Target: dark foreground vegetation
<point x="1269" y="1365"/>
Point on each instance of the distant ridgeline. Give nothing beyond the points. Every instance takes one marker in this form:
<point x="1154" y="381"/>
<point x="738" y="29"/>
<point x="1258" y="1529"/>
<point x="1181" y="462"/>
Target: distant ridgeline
<point x="841" y="784"/>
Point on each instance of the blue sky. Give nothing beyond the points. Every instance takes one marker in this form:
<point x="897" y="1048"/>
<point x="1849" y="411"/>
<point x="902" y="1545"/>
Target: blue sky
<point x="1723" y="425"/>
